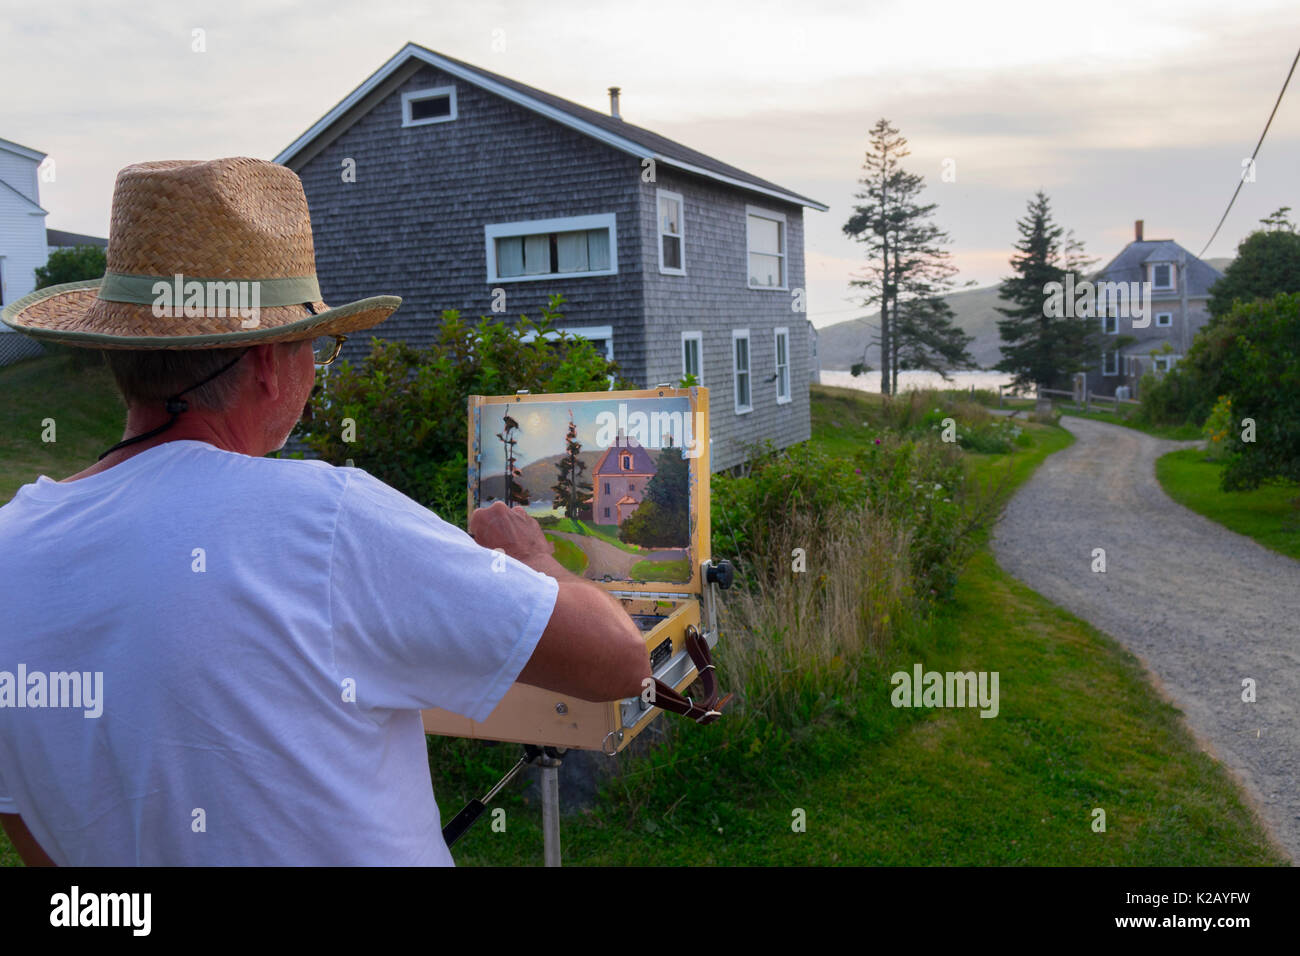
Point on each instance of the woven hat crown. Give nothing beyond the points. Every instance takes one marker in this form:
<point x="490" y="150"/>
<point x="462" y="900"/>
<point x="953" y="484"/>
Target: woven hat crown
<point x="236" y="218"/>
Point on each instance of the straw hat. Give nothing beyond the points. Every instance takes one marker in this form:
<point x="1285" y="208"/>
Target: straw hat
<point x="211" y="254"/>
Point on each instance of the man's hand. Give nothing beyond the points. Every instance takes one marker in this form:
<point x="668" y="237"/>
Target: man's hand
<point x="590" y="648"/>
<point x="512" y="530"/>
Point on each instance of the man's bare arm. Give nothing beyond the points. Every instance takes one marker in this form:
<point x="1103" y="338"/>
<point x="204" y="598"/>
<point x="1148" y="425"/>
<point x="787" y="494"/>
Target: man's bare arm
<point x="23" y="841"/>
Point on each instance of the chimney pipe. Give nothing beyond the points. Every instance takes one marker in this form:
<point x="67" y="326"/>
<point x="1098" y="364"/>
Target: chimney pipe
<point x="613" y="102"/>
<point x="1137" y="230"/>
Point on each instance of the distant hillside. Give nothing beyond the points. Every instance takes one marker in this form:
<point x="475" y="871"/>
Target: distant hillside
<point x="840" y="345"/>
<point x="537" y="477"/>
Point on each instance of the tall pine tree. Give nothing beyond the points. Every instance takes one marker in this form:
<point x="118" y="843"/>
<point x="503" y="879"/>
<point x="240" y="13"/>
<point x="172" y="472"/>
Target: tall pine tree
<point x="907" y="269"/>
<point x="571" y="490"/>
<point x="1040" y="348"/>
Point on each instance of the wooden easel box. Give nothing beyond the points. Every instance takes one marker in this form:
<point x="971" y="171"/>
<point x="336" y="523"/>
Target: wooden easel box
<point x="534" y="716"/>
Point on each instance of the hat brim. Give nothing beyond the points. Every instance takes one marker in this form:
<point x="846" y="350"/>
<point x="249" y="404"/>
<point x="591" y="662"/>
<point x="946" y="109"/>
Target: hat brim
<point x="73" y="314"/>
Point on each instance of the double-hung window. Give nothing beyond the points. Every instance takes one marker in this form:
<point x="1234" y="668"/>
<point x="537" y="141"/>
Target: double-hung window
<point x="693" y="356"/>
<point x="571" y="248"/>
<point x="765" y="243"/>
<point x="672" y="250"/>
<point x="782" y="366"/>
<point x="1110" y="362"/>
<point x="740" y="370"/>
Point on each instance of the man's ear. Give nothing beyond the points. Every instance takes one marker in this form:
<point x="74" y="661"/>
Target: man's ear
<point x="268" y="365"/>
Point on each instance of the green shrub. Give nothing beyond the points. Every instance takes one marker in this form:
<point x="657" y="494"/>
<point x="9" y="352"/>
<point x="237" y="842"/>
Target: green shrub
<point x="1218" y="430"/>
<point x="1261" y="377"/>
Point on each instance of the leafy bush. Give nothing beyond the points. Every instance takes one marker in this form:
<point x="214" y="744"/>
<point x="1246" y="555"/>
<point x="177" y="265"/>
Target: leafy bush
<point x="407" y="405"/>
<point x="1261" y="376"/>
<point x="72" y="265"/>
<point x="1218" y="428"/>
<point x="913" y="486"/>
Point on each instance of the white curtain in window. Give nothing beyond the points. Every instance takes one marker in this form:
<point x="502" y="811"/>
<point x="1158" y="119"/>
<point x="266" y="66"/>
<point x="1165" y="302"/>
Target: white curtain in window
<point x="571" y="250"/>
<point x="598" y="250"/>
<point x="537" y="255"/>
<point x="510" y="256"/>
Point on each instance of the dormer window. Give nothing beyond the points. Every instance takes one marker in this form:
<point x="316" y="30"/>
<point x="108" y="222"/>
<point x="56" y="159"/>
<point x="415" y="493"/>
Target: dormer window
<point x="627" y="462"/>
<point x="422" y="107"/>
<point x="1162" y="276"/>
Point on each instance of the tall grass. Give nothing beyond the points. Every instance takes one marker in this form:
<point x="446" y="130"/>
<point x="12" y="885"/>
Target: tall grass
<point x="795" y="636"/>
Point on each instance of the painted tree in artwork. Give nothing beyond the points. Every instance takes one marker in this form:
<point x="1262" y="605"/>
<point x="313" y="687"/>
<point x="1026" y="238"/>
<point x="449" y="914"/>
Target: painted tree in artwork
<point x="515" y="494"/>
<point x="571" y="489"/>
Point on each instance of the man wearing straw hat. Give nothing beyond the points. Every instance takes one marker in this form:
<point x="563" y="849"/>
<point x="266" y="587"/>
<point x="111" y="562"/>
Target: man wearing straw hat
<point x="208" y="656"/>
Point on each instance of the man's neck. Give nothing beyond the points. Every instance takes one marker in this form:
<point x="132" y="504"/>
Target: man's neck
<point x="192" y="425"/>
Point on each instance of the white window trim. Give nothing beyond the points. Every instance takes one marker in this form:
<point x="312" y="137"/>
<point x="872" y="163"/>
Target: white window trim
<point x="1105" y="324"/>
<point x="407" y="98"/>
<point x="681" y="226"/>
<point x="1110" y="354"/>
<point x="504" y="230"/>
<point x="698" y="338"/>
<point x="776" y="354"/>
<point x="1164" y="315"/>
<point x="605" y="332"/>
<point x="1173" y="277"/>
<point x="785" y="262"/>
<point x="735" y="371"/>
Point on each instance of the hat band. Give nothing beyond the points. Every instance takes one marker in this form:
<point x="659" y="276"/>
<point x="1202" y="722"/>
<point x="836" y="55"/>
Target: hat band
<point x="178" y="290"/>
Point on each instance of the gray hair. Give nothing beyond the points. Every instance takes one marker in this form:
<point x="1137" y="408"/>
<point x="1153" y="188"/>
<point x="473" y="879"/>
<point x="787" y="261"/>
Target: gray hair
<point x="150" y="377"/>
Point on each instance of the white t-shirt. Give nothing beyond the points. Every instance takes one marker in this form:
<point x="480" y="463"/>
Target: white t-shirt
<point x="263" y="633"/>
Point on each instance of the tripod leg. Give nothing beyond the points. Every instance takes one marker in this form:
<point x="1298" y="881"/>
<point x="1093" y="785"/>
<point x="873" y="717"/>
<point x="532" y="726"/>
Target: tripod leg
<point x="551" y="813"/>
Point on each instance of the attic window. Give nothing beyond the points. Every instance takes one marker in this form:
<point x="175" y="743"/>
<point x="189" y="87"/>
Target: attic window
<point x="1162" y="276"/>
<point x="422" y="107"/>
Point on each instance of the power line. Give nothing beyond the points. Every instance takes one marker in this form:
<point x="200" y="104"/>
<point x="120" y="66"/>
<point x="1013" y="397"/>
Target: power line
<point x="1242" y="180"/>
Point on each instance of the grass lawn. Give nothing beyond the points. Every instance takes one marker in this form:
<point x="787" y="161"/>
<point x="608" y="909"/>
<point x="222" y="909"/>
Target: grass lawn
<point x="1270" y="515"/>
<point x="87" y="413"/>
<point x="605" y="532"/>
<point x="1079" y="729"/>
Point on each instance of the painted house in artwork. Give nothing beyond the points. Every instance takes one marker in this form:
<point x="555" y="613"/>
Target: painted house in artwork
<point x="459" y="188"/>
<point x="619" y="480"/>
<point x="1180" y="294"/>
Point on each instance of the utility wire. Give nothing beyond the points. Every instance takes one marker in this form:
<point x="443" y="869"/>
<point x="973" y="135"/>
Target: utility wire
<point x="1242" y="180"/>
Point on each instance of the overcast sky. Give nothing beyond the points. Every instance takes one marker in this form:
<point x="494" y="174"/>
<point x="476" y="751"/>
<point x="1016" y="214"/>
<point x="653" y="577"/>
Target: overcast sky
<point x="1118" y="110"/>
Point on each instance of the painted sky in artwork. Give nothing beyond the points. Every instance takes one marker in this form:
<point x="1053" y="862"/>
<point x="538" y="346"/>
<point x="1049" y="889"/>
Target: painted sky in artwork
<point x="543" y="426"/>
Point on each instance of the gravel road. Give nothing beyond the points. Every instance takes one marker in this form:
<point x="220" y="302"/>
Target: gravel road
<point x="1203" y="607"/>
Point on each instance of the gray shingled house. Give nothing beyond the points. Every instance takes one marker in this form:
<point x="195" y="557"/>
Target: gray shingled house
<point x="1180" y="292"/>
<point x="454" y="187"/>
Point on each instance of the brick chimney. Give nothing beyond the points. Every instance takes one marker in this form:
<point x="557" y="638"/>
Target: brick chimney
<point x="1137" y="231"/>
<point x="613" y="102"/>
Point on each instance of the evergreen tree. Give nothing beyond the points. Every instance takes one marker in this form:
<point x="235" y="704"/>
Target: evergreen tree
<point x="907" y="269"/>
<point x="571" y="490"/>
<point x="1040" y="348"/>
<point x="515" y="494"/>
<point x="662" y="519"/>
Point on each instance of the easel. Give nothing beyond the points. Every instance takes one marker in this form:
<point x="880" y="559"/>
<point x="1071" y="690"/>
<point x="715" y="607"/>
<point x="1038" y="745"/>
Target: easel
<point x="549" y="760"/>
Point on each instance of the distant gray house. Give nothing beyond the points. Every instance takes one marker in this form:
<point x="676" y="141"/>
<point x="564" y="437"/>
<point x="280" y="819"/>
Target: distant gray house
<point x="1180" y="292"/>
<point x="457" y="188"/>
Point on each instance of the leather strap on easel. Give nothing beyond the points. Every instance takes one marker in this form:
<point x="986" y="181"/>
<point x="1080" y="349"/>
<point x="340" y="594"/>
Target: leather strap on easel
<point x="704" y="711"/>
